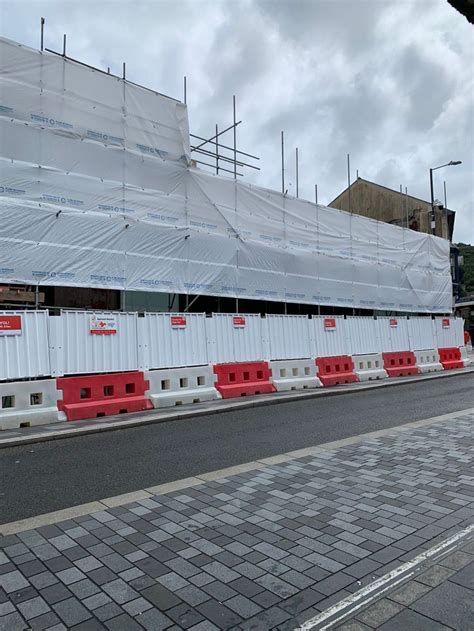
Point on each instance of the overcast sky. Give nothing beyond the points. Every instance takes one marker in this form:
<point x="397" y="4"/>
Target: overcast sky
<point x="389" y="81"/>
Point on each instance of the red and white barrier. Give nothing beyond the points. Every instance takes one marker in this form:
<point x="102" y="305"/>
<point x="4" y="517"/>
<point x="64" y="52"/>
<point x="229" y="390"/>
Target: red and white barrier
<point x="294" y="374"/>
<point x="93" y="396"/>
<point x="243" y="379"/>
<point x="334" y="371"/>
<point x="369" y="367"/>
<point x="465" y="359"/>
<point x="191" y="357"/>
<point x="178" y="386"/>
<point x="29" y="403"/>
<point x="427" y="360"/>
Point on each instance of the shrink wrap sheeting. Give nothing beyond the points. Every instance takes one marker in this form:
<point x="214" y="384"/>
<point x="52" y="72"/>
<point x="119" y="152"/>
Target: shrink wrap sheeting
<point x="96" y="190"/>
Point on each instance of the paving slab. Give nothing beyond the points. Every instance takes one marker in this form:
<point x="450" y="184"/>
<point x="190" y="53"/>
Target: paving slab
<point x="262" y="547"/>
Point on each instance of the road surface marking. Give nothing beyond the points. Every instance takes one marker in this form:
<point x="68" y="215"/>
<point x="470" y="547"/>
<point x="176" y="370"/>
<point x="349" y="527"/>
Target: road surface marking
<point x="388" y="581"/>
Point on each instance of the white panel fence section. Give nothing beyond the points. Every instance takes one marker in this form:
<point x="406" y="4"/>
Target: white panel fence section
<point x="83" y="342"/>
<point x="35" y="344"/>
<point x="287" y="337"/>
<point x="422" y="334"/>
<point x="234" y="338"/>
<point x="169" y="340"/>
<point x="329" y="336"/>
<point x="449" y="332"/>
<point x="24" y="344"/>
<point x="393" y="334"/>
<point x="363" y="335"/>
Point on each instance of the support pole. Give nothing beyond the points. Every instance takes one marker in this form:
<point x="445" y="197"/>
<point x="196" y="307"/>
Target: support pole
<point x="445" y="198"/>
<point x="282" y="164"/>
<point x="185" y="90"/>
<point x="432" y="214"/>
<point x="123" y="71"/>
<point x="297" y="174"/>
<point x="316" y="194"/>
<point x="64" y="45"/>
<point x="217" y="150"/>
<point x="406" y="206"/>
<point x="235" y="139"/>
<point x="349" y="180"/>
<point x="401" y="205"/>
<point x="42" y="34"/>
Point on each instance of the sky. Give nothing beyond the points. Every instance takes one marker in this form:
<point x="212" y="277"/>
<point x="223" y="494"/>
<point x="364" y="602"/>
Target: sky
<point x="391" y="82"/>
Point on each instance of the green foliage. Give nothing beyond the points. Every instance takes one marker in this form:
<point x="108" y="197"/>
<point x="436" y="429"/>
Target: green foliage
<point x="467" y="269"/>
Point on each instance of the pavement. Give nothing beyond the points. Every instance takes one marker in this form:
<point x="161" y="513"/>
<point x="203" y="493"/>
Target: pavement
<point x="53" y="475"/>
<point x="370" y="531"/>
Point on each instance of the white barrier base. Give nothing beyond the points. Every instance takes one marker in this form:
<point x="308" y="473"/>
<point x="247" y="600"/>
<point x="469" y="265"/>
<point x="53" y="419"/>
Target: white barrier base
<point x="294" y="374"/>
<point x="178" y="386"/>
<point x="28" y="403"/>
<point x="369" y="367"/>
<point x="465" y="359"/>
<point x="428" y="360"/>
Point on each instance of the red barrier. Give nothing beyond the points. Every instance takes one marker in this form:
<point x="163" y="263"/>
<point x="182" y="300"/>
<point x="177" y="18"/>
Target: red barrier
<point x="103" y="395"/>
<point x="400" y="364"/>
<point x="333" y="371"/>
<point x="243" y="379"/>
<point x="450" y="358"/>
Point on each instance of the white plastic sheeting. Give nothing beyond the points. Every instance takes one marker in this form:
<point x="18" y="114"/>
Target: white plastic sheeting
<point x="75" y="350"/>
<point x="288" y="337"/>
<point x="232" y="338"/>
<point x="167" y="340"/>
<point x="26" y="354"/>
<point x="95" y="190"/>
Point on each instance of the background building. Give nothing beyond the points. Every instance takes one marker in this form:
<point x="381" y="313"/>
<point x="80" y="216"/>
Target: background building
<point x="385" y="204"/>
<point x="370" y="199"/>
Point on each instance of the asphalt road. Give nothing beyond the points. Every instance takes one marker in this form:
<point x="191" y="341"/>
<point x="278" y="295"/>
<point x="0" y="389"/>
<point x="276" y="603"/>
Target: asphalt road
<point x="48" y="476"/>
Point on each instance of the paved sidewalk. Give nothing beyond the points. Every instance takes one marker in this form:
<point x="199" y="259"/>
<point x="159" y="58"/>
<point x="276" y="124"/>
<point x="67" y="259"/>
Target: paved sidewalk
<point x="65" y="429"/>
<point x="266" y="549"/>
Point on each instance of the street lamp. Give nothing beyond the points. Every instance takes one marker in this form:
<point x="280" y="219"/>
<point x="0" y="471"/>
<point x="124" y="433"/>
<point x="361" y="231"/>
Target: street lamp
<point x="433" y="218"/>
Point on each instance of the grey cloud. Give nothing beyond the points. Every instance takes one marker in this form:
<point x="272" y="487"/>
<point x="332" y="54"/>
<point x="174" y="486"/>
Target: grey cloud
<point x="386" y="81"/>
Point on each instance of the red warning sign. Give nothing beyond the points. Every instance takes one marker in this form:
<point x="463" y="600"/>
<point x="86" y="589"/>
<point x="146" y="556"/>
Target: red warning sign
<point x="329" y="323"/>
<point x="446" y="323"/>
<point x="102" y="324"/>
<point x="178" y="322"/>
<point x="239" y="321"/>
<point x="10" y="325"/>
<point x="393" y="322"/>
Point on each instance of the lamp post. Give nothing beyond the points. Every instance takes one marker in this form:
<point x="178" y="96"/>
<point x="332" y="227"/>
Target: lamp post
<point x="433" y="217"/>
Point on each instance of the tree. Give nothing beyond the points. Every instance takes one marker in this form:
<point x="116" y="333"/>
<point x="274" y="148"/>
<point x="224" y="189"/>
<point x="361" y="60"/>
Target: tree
<point x="467" y="269"/>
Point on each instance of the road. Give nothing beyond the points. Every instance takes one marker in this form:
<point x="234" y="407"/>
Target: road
<point x="49" y="476"/>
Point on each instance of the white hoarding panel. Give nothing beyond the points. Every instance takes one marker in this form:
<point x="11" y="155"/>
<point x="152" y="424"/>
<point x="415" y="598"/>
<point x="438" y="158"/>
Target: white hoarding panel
<point x="329" y="336"/>
<point x="168" y="340"/>
<point x="363" y="335"/>
<point x="421" y="332"/>
<point x="287" y="337"/>
<point x="393" y="334"/>
<point x="449" y="332"/>
<point x="83" y="342"/>
<point x="24" y="344"/>
<point x="234" y="338"/>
